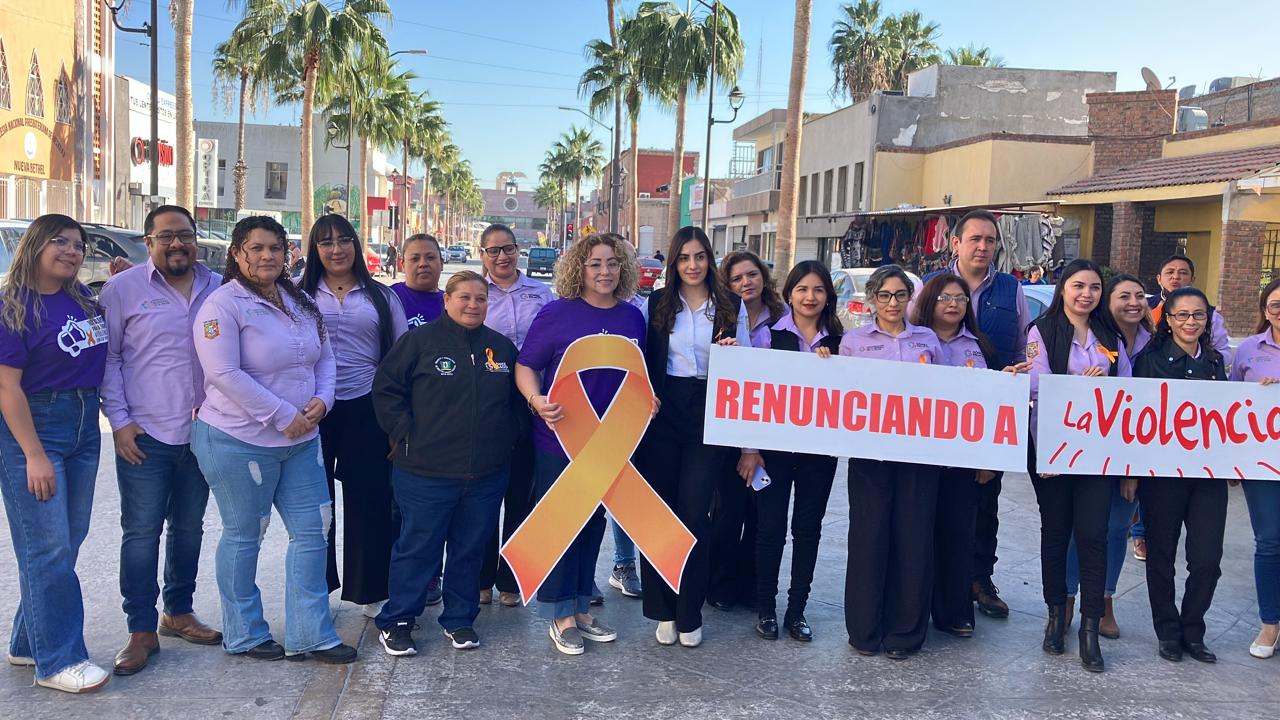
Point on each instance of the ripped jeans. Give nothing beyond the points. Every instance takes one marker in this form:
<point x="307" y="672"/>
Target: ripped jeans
<point x="246" y="480"/>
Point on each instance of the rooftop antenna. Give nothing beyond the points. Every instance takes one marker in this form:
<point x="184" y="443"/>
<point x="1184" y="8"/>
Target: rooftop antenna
<point x="1152" y="80"/>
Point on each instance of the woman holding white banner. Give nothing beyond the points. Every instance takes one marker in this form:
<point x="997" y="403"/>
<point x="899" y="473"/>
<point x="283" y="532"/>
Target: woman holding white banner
<point x="1258" y="360"/>
<point x="1182" y="349"/>
<point x="889" y="576"/>
<point x="1072" y="338"/>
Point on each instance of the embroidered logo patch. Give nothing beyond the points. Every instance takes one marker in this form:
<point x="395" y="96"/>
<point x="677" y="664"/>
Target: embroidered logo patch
<point x="1033" y="350"/>
<point x="492" y="365"/>
<point x="211" y="330"/>
<point x="446" y="365"/>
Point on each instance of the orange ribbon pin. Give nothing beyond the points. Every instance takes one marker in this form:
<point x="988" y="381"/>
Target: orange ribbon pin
<point x="599" y="472"/>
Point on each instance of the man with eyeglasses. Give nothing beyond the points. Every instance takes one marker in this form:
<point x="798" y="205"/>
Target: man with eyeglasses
<point x="514" y="300"/>
<point x="150" y="395"/>
<point x="1180" y="271"/>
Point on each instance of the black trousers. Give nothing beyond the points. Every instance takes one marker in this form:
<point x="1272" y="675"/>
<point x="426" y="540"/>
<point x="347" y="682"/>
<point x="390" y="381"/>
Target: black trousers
<point x="1079" y="506"/>
<point x="959" y="496"/>
<point x="986" y="527"/>
<point x="889" y="578"/>
<point x="683" y="471"/>
<point x="812" y="477"/>
<point x="516" y="506"/>
<point x="733" y="537"/>
<point x="1167" y="505"/>
<point x="354" y="451"/>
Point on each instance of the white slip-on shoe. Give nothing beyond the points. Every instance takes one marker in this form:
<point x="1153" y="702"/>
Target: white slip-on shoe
<point x="372" y="609"/>
<point x="1262" y="652"/>
<point x="691" y="639"/>
<point x="666" y="632"/>
<point x="20" y="660"/>
<point x="82" y="677"/>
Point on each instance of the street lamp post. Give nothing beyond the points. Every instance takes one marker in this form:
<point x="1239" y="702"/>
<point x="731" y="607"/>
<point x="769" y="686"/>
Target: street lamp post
<point x="736" y="98"/>
<point x="148" y="29"/>
<point x="615" y="181"/>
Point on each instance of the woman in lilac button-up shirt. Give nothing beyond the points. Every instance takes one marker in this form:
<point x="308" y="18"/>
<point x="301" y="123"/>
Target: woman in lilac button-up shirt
<point x="891" y="504"/>
<point x="269" y="380"/>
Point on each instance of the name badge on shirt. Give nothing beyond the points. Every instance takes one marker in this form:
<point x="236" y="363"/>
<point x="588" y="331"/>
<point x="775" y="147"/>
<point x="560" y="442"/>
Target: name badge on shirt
<point x="155" y="303"/>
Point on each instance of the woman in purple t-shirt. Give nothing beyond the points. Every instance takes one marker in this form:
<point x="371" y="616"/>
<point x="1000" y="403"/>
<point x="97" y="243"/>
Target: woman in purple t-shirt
<point x="53" y="351"/>
<point x="592" y="279"/>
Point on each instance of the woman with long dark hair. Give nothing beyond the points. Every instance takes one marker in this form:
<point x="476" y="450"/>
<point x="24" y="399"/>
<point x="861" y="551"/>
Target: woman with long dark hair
<point x="363" y="319"/>
<point x="809" y="325"/>
<point x="694" y="310"/>
<point x="1257" y="359"/>
<point x="269" y="381"/>
<point x="1182" y="349"/>
<point x="1072" y="337"/>
<point x="53" y="353"/>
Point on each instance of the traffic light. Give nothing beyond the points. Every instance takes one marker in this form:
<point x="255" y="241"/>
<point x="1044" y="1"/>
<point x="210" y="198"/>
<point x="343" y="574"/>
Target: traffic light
<point x="568" y="233"/>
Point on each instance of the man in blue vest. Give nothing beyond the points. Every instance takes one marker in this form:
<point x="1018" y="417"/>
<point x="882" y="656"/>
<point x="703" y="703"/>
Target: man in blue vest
<point x="1002" y="314"/>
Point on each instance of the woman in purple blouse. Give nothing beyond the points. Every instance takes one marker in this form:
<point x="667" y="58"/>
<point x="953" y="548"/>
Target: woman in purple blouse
<point x="53" y="353"/>
<point x="269" y="380"/>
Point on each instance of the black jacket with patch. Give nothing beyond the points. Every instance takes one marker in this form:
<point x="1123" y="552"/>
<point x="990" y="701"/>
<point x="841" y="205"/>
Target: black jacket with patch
<point x="447" y="397"/>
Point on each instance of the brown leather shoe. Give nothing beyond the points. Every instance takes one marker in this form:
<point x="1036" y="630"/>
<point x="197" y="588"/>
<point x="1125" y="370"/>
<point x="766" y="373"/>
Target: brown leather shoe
<point x="486" y="597"/>
<point x="189" y="628"/>
<point x="987" y="595"/>
<point x="133" y="656"/>
<point x="509" y="599"/>
<point x="1108" y="628"/>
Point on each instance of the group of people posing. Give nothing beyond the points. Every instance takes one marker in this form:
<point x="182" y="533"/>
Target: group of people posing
<point x="431" y="408"/>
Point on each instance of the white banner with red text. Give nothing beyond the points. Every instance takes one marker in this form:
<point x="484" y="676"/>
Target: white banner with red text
<point x="876" y="409"/>
<point x="1139" y="427"/>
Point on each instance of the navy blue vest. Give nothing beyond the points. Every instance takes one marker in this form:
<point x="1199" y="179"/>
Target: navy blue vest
<point x="997" y="315"/>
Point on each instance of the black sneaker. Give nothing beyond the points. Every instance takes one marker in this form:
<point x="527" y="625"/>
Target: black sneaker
<point x="398" y="641"/>
<point x="336" y="655"/>
<point x="269" y="650"/>
<point x="463" y="638"/>
<point x="434" y="592"/>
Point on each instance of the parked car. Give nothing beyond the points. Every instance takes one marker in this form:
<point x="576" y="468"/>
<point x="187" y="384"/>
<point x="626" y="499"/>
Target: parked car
<point x="372" y="260"/>
<point x="1038" y="299"/>
<point x="212" y="253"/>
<point x="107" y="242"/>
<point x="456" y="254"/>
<point x="7" y="246"/>
<point x="650" y="270"/>
<point x="542" y="261"/>
<point x="851" y="296"/>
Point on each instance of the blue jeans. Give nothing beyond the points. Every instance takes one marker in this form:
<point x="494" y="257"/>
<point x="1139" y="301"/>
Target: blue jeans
<point x="1139" y="529"/>
<point x="439" y="515"/>
<point x="167" y="486"/>
<point x="49" y="623"/>
<point x="624" y="549"/>
<point x="246" y="481"/>
<point x="1117" y="544"/>
<point x="571" y="583"/>
<point x="1263" y="497"/>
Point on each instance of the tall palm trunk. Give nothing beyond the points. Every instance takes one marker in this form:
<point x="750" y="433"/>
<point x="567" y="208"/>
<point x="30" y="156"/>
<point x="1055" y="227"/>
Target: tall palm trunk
<point x="615" y="194"/>
<point x="241" y="169"/>
<point x="784" y="245"/>
<point x="365" y="230"/>
<point x="308" y="109"/>
<point x="181" y="12"/>
<point x="677" y="162"/>
<point x="635" y="182"/>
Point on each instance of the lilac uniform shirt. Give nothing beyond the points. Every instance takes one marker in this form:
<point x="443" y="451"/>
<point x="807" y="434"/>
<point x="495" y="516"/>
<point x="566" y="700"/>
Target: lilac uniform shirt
<point x="1257" y="357"/>
<point x="67" y="351"/>
<point x="153" y="377"/>
<point x="512" y="309"/>
<point x="962" y="350"/>
<point x="557" y="325"/>
<point x="915" y="344"/>
<point x="788" y="323"/>
<point x="1081" y="358"/>
<point x="420" y="306"/>
<point x="760" y="330"/>
<point x="261" y="366"/>
<point x="353" y="331"/>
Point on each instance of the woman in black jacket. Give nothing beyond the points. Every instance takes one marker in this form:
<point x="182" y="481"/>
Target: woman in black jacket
<point x="1182" y="349"/>
<point x="446" y="397"/>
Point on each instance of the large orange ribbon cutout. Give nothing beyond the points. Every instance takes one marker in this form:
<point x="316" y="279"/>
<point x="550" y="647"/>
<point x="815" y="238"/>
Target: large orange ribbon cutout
<point x="599" y="471"/>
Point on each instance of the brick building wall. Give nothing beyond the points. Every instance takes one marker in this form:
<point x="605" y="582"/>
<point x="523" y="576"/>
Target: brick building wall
<point x="1126" y="237"/>
<point x="1128" y="127"/>
<point x="1102" y="217"/>
<point x="1257" y="101"/>
<point x="1241" y="258"/>
<point x="1156" y="246"/>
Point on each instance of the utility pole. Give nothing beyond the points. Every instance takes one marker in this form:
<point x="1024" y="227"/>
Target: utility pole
<point x="153" y="149"/>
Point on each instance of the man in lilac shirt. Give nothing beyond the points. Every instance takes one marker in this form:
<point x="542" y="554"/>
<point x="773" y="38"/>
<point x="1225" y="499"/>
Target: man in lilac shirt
<point x="420" y="292"/>
<point x="153" y="386"/>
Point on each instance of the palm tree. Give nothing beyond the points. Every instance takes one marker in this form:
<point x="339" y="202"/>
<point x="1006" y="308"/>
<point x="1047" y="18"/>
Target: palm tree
<point x="555" y="168"/>
<point x="914" y="44"/>
<point x="446" y="156"/>
<point x="859" y="51"/>
<point x="582" y="156"/>
<point x="548" y="196"/>
<point x="181" y="14"/>
<point x="971" y="54"/>
<point x="784" y="244"/>
<point x="673" y="53"/>
<point x="311" y="42"/>
<point x="235" y="63"/>
<point x="430" y="135"/>
<point x="604" y="83"/>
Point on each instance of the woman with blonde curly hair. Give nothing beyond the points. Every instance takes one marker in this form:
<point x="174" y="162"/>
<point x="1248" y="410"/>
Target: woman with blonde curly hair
<point x="594" y="278"/>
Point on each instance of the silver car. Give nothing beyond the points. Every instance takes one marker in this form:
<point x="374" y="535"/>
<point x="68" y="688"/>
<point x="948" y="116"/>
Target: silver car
<point x="851" y="295"/>
<point x="107" y="242"/>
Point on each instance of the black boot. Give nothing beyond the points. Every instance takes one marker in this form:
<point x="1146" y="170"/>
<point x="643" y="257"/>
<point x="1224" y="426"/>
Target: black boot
<point x="1055" y="630"/>
<point x="1090" y="652"/>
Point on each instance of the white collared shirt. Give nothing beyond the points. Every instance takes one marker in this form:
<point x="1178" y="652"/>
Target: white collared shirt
<point x="690" y="344"/>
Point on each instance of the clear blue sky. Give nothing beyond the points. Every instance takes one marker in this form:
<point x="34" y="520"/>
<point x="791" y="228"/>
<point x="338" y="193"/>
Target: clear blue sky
<point x="500" y="67"/>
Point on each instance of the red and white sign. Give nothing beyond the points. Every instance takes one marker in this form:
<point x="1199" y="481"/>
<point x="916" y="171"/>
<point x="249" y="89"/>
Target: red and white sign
<point x="1138" y="427"/>
<point x="851" y="407"/>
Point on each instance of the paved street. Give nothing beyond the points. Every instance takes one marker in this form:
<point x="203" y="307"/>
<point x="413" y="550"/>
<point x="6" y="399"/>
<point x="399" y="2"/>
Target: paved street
<point x="1001" y="673"/>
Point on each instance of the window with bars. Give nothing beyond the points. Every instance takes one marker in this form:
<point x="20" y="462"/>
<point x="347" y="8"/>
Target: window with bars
<point x="62" y="98"/>
<point x="35" y="91"/>
<point x="6" y="100"/>
<point x="1271" y="255"/>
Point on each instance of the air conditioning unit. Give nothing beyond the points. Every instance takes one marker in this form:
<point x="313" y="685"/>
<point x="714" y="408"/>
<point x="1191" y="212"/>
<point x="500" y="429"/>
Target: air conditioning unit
<point x="645" y="195"/>
<point x="1191" y="119"/>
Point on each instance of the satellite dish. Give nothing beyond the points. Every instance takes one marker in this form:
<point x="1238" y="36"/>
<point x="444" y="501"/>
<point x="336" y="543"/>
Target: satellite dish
<point x="1153" y="82"/>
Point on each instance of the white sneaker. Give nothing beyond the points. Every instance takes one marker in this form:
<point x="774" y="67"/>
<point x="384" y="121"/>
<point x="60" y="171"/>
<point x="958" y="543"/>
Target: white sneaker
<point x="372" y="609"/>
<point x="691" y="639"/>
<point x="82" y="677"/>
<point x="20" y="660"/>
<point x="667" y="632"/>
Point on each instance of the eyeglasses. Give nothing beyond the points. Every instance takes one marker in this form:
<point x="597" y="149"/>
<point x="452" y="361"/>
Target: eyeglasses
<point x="64" y="243"/>
<point x="946" y="299"/>
<point x="1273" y="308"/>
<point x="884" y="297"/>
<point x="1184" y="316"/>
<point x="330" y="243"/>
<point x="596" y="266"/>
<point x="186" y="237"/>
<point x="494" y="252"/>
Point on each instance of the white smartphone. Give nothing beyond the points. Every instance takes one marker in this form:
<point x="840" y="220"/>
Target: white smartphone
<point x="760" y="479"/>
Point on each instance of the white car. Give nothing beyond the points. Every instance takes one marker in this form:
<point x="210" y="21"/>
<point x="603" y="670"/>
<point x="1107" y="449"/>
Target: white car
<point x="456" y="254"/>
<point x="851" y="295"/>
